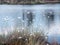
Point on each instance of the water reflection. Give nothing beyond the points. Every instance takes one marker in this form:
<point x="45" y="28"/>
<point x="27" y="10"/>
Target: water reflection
<point x="33" y="17"/>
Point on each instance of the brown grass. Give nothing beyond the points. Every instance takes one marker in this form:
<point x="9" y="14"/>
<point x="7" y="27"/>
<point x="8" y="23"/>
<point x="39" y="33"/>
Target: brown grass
<point x="25" y="38"/>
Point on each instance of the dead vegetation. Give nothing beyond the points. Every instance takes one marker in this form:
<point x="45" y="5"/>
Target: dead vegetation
<point x="24" y="38"/>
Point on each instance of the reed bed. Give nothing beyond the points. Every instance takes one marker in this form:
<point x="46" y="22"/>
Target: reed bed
<point x="24" y="38"/>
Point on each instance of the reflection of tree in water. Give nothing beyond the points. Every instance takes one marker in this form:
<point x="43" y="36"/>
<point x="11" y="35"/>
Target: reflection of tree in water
<point x="29" y="17"/>
<point x="49" y="16"/>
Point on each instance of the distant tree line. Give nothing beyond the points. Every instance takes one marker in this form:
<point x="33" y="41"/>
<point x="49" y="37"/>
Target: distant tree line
<point x="28" y="1"/>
